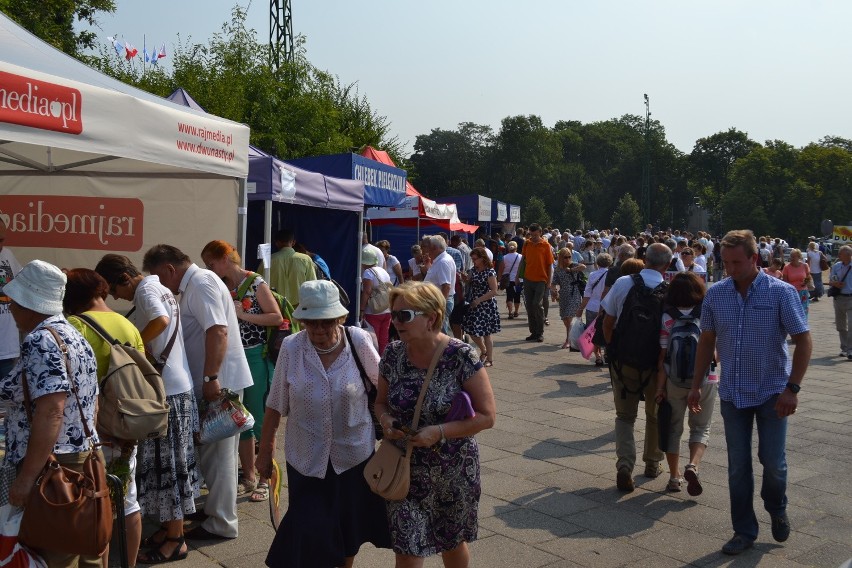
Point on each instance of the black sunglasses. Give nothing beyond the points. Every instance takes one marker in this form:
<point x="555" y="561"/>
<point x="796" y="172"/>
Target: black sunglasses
<point x="405" y="316"/>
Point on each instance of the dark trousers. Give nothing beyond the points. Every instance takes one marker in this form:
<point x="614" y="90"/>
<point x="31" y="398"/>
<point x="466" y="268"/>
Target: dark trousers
<point x="534" y="296"/>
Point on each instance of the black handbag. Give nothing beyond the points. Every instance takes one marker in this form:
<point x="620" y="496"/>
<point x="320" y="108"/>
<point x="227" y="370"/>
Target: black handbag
<point x="368" y="386"/>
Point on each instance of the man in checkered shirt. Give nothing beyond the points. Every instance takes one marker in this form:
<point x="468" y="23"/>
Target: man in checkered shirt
<point x="747" y="318"/>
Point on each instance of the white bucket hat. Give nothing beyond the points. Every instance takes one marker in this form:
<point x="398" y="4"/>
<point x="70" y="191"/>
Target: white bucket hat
<point x="39" y="286"/>
<point x="368" y="258"/>
<point x="319" y="300"/>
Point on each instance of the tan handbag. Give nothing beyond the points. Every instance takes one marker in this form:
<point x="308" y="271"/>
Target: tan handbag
<point x="388" y="473"/>
<point x="68" y="511"/>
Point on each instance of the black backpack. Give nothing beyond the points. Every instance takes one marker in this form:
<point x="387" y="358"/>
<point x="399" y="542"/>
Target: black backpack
<point x="636" y="338"/>
<point x="683" y="346"/>
<point x="580" y="281"/>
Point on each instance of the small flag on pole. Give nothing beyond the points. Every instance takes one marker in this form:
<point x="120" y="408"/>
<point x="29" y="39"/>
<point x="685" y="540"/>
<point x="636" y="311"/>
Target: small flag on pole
<point x="131" y="51"/>
<point x="162" y="52"/>
<point x="119" y="49"/>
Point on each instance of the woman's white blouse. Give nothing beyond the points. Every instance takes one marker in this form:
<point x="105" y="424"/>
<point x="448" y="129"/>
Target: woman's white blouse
<point x="326" y="409"/>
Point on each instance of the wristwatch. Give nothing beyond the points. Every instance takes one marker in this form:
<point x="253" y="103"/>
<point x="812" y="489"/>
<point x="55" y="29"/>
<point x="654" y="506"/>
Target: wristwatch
<point x="794" y="387"/>
<point x="211" y="378"/>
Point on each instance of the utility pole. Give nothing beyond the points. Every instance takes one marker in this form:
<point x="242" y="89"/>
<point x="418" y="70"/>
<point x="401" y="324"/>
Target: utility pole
<point x="645" y="205"/>
<point x="280" y="33"/>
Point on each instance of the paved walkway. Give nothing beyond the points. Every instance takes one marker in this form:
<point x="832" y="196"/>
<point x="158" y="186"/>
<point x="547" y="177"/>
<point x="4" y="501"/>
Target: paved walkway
<point x="548" y="475"/>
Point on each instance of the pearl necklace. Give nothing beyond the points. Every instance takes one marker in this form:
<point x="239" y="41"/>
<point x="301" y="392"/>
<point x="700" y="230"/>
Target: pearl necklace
<point x="322" y="351"/>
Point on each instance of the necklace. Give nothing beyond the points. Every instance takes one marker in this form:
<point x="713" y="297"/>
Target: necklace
<point x="322" y="351"/>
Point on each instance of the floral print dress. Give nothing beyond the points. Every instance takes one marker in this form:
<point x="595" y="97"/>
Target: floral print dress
<point x="441" y="509"/>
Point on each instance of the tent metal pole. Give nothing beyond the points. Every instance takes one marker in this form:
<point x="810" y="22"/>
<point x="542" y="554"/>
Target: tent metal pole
<point x="357" y="312"/>
<point x="242" y="218"/>
<point x="267" y="233"/>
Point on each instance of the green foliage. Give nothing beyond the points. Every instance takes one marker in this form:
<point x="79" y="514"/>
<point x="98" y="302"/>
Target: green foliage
<point x="53" y="20"/>
<point x="627" y="217"/>
<point x="535" y="212"/>
<point x="572" y="213"/>
<point x="294" y="111"/>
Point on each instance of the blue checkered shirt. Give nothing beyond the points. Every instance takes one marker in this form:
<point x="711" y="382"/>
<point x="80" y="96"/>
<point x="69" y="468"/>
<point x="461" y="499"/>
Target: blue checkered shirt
<point x="751" y="336"/>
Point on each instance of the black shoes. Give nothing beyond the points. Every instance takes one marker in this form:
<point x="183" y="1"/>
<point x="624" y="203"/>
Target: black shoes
<point x="624" y="481"/>
<point x="780" y="527"/>
<point x="737" y="544"/>
<point x="534" y="337"/>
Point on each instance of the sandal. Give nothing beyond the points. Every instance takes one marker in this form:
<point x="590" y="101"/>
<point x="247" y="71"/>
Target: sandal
<point x="152" y="541"/>
<point x="674" y="484"/>
<point x="487" y="363"/>
<point x="260" y="493"/>
<point x="246" y="486"/>
<point x="156" y="556"/>
<point x="598" y="362"/>
<point x="693" y="484"/>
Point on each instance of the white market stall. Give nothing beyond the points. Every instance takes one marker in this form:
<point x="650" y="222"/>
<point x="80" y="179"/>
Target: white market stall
<point x="90" y="165"/>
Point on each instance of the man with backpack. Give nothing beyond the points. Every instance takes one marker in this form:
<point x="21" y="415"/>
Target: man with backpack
<point x="631" y="328"/>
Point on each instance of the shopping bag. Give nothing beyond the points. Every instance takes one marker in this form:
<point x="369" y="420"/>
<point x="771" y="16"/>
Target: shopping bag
<point x="13" y="554"/>
<point x="276" y="484"/>
<point x="587" y="346"/>
<point x="577" y="329"/>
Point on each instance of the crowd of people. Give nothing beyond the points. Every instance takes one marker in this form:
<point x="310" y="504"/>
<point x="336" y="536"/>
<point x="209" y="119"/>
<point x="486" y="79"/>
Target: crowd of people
<point x="669" y="339"/>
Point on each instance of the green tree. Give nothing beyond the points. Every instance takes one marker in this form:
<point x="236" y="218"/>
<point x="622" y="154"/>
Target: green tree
<point x="53" y="20"/>
<point x="452" y="162"/>
<point x="297" y="111"/>
<point x="712" y="161"/>
<point x="572" y="213"/>
<point x="627" y="217"/>
<point x="535" y="212"/>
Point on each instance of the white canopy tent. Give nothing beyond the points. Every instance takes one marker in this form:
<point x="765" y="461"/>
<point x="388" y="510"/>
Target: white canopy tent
<point x="90" y="165"/>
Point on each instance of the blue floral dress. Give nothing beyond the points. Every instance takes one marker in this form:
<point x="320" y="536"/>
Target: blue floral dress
<point x="441" y="510"/>
<point x="46" y="374"/>
<point x="483" y="319"/>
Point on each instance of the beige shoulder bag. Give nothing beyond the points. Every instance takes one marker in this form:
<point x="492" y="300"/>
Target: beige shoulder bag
<point x="388" y="473"/>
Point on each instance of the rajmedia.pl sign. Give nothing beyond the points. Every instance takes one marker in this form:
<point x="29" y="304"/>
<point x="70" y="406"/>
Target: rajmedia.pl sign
<point x="38" y="104"/>
<point x="87" y="223"/>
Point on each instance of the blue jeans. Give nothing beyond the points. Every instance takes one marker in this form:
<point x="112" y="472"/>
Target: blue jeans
<point x="771" y="441"/>
<point x="451" y="302"/>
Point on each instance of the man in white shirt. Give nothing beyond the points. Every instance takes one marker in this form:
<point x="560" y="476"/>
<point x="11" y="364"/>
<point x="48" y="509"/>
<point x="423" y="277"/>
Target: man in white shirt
<point x="458" y="242"/>
<point x="216" y="358"/>
<point x="9" y="338"/>
<point x="442" y="273"/>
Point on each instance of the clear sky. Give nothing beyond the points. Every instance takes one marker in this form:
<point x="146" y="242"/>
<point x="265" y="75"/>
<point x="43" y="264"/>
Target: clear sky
<point x="776" y="69"/>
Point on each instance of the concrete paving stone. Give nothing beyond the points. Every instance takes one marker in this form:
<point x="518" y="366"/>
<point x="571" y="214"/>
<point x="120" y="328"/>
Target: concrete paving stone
<point x="823" y="426"/>
<point x="578" y="482"/>
<point x="550" y="451"/>
<point x="604" y="417"/>
<point x="701" y="518"/>
<point x="502" y="439"/>
<point x="502" y="394"/>
<point x="500" y="550"/>
<point x="614" y="521"/>
<point x="488" y="453"/>
<point x="828" y="527"/>
<point x="529" y="526"/>
<point x="521" y="466"/>
<point x="490" y="506"/>
<point x="502" y="485"/>
<point x="517" y="425"/>
<point x="828" y="554"/>
<point x="834" y="505"/>
<point x="679" y="543"/>
<point x="531" y="414"/>
<point x="554" y="502"/>
<point x="599" y="463"/>
<point x="587" y="549"/>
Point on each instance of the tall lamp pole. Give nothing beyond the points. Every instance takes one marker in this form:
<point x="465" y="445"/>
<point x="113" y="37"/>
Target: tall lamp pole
<point x="646" y="167"/>
<point x="280" y="32"/>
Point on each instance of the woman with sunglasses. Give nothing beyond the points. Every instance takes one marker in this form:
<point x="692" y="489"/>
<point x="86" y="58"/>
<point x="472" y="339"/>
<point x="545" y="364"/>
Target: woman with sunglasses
<point x="568" y="278"/>
<point x="329" y="437"/>
<point x="687" y="256"/>
<point x="439" y="515"/>
<point x="483" y="317"/>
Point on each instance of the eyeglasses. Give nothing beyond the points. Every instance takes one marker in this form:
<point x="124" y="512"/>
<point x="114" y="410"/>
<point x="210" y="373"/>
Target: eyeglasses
<point x="686" y="254"/>
<point x="319" y="323"/>
<point x="405" y="316"/>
